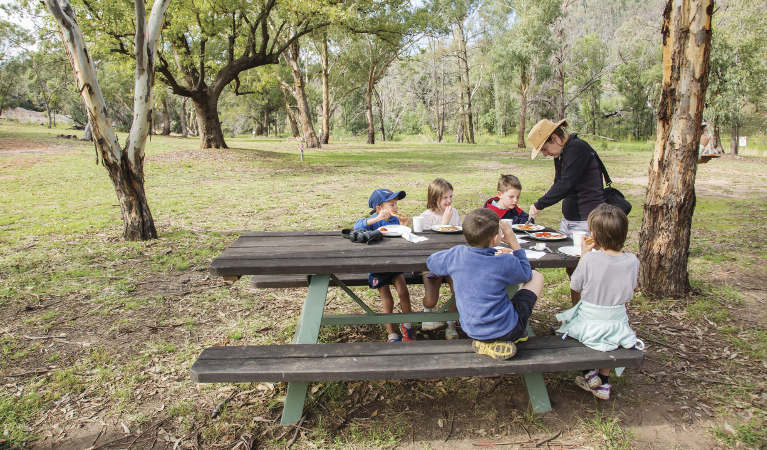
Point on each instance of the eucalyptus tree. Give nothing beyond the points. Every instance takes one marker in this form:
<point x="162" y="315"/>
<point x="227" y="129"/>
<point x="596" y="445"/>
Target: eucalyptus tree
<point x="738" y="78"/>
<point x="206" y="46"/>
<point x="525" y="46"/>
<point x="297" y="89"/>
<point x="125" y="164"/>
<point x="664" y="240"/>
<point x="590" y="66"/>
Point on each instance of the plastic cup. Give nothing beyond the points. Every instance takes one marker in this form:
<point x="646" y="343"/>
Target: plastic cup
<point x="418" y="224"/>
<point x="578" y="237"/>
<point x="540" y="246"/>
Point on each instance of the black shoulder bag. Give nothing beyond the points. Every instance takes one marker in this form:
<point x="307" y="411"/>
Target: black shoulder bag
<point x="613" y="196"/>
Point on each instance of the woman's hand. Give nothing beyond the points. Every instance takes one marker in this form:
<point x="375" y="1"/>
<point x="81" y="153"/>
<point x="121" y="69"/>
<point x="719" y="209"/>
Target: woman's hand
<point x="534" y="211"/>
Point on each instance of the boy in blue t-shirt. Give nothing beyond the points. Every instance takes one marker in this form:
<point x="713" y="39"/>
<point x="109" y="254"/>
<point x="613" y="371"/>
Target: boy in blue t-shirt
<point x="383" y="203"/>
<point x="480" y="276"/>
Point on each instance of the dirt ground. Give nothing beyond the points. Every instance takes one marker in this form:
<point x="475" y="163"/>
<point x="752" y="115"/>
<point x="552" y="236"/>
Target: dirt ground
<point x="675" y="401"/>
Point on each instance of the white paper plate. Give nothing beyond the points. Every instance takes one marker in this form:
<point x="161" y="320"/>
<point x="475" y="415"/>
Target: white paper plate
<point x="533" y="227"/>
<point x="570" y="250"/>
<point x="446" y="228"/>
<point x="393" y="230"/>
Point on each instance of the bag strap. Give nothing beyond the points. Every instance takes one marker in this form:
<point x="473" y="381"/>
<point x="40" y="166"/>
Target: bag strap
<point x="602" y="167"/>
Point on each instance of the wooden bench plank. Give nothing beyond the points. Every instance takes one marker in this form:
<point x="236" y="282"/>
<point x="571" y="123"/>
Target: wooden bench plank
<point x="294" y="281"/>
<point x="406" y="366"/>
<point x="460" y="363"/>
<point x="436" y="347"/>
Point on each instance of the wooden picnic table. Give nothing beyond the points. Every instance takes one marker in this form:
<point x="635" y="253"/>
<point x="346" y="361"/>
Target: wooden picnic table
<point x="325" y="256"/>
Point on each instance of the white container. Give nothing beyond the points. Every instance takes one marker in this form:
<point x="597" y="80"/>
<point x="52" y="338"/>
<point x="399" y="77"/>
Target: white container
<point x="540" y="246"/>
<point x="578" y="237"/>
<point x="418" y="224"/>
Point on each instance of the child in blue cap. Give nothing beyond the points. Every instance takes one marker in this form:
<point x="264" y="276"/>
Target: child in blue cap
<point x="383" y="205"/>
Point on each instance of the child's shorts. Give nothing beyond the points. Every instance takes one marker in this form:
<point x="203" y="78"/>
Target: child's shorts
<point x="523" y="301"/>
<point x="379" y="280"/>
<point x="432" y="276"/>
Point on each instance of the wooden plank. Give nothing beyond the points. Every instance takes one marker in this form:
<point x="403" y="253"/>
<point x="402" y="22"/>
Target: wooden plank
<point x="345" y="368"/>
<point x="296" y="280"/>
<point x="436" y="347"/>
<point x="382" y="318"/>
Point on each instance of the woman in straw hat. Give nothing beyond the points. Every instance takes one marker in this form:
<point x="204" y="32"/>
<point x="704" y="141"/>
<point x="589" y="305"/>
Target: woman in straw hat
<point x="577" y="177"/>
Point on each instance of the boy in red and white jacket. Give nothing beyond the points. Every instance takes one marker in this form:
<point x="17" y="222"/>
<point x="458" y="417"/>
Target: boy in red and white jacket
<point x="505" y="204"/>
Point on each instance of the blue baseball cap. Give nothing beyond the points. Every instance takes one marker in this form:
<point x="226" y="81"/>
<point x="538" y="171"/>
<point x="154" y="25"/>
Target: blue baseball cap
<point x="383" y="195"/>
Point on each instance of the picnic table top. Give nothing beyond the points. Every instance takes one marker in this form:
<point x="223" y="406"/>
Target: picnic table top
<point x="326" y="252"/>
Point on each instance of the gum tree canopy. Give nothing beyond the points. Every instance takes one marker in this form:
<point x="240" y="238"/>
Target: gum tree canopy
<point x="124" y="164"/>
<point x="205" y="46"/>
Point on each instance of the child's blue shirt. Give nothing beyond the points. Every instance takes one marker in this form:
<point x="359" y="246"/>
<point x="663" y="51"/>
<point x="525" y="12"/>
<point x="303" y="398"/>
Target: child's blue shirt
<point x="480" y="278"/>
<point x="361" y="224"/>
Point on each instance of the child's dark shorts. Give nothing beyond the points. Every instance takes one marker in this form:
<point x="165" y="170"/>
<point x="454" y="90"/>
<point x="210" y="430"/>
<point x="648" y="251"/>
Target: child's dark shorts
<point x="379" y="280"/>
<point x="523" y="301"/>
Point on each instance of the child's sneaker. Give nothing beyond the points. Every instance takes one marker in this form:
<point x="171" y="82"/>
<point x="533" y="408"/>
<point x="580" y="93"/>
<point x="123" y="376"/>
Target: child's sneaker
<point x="394" y="337"/>
<point x="407" y="333"/>
<point x="451" y="333"/>
<point x="602" y="392"/>
<point x="497" y="350"/>
<point x="592" y="379"/>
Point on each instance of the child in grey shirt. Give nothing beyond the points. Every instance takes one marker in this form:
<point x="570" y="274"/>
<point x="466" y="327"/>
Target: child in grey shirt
<point x="606" y="279"/>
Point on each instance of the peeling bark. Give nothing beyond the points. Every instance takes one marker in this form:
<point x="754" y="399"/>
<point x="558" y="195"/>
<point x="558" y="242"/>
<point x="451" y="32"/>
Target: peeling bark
<point x="125" y="165"/>
<point x="665" y="234"/>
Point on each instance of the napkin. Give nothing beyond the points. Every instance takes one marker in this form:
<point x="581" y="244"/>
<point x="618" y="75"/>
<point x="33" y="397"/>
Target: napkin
<point x="532" y="254"/>
<point x="410" y="237"/>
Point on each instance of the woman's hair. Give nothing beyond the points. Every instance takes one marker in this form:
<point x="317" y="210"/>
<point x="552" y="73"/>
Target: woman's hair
<point x="559" y="131"/>
<point x="506" y="182"/>
<point x="609" y="226"/>
<point x="480" y="226"/>
<point x="437" y="189"/>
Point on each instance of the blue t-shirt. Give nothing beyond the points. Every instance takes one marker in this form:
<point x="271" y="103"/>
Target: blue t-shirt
<point x="480" y="278"/>
<point x="361" y="224"/>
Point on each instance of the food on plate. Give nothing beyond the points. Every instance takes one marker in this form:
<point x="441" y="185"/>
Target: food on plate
<point x="526" y="226"/>
<point x="448" y="228"/>
<point x="383" y="229"/>
<point x="548" y="235"/>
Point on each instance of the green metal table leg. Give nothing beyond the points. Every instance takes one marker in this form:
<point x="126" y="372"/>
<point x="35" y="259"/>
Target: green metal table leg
<point x="306" y="333"/>
<point x="536" y="388"/>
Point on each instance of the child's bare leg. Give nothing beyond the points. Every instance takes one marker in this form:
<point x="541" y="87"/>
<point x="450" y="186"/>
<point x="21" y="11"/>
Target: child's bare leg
<point x="431" y="291"/>
<point x="404" y="295"/>
<point x="452" y="307"/>
<point x="388" y="306"/>
<point x="535" y="284"/>
<point x="604" y="372"/>
<point x="575" y="296"/>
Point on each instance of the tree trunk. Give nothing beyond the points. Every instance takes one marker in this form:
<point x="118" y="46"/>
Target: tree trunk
<point x="165" y="118"/>
<point x="465" y="83"/>
<point x="298" y="90"/>
<point x="182" y="119"/>
<point x="497" y="100"/>
<point x="208" y="125"/>
<point x="289" y="114"/>
<point x="325" y="92"/>
<point x="523" y="85"/>
<point x="664" y="239"/>
<point x="734" y="140"/>
<point x="369" y="111"/>
<point x="379" y="102"/>
<point x="124" y="165"/>
<point x="87" y="133"/>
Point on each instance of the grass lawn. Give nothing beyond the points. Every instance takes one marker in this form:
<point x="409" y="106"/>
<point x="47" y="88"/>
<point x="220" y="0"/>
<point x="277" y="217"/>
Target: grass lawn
<point x="99" y="333"/>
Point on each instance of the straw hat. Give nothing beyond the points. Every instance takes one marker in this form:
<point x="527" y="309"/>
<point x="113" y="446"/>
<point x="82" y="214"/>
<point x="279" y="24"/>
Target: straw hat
<point x="541" y="132"/>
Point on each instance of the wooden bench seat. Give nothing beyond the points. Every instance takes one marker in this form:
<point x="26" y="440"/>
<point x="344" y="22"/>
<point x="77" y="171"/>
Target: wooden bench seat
<point x="294" y="281"/>
<point x="381" y="360"/>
